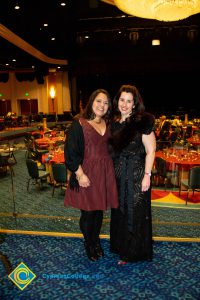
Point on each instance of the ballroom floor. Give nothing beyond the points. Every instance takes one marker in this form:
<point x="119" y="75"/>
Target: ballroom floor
<point x="39" y="212"/>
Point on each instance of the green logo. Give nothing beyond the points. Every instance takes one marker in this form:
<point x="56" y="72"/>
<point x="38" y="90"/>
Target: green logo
<point x="22" y="276"/>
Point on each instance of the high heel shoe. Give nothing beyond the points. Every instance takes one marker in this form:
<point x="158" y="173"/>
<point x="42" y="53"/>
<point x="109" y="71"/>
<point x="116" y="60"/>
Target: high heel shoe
<point x="98" y="249"/>
<point x="90" y="251"/>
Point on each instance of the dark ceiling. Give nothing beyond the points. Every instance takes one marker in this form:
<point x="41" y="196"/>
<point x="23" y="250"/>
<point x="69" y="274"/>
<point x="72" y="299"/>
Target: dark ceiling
<point x="111" y="36"/>
<point x="118" y="48"/>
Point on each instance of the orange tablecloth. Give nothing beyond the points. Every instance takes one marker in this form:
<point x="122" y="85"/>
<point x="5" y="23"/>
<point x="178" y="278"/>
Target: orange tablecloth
<point x="49" y="141"/>
<point x="183" y="159"/>
<point x="56" y="157"/>
<point x="194" y="141"/>
<point x="191" y="158"/>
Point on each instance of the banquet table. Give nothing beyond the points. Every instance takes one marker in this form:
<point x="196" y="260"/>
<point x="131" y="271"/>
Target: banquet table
<point x="50" y="159"/>
<point x="195" y="141"/>
<point x="181" y="160"/>
<point x="49" y="141"/>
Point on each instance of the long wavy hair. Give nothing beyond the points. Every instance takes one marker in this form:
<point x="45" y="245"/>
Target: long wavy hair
<point x="122" y="137"/>
<point x="88" y="112"/>
<point x="138" y="102"/>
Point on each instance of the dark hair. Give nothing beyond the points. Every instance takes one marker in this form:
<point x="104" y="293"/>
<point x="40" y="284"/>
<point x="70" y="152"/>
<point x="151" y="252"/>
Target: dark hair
<point x="88" y="112"/>
<point x="138" y="102"/>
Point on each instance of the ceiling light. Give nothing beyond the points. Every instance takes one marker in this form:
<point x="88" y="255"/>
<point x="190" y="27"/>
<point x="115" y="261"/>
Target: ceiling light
<point x="53" y="39"/>
<point x="155" y="42"/>
<point x="45" y="24"/>
<point x="163" y="10"/>
<point x="17" y="6"/>
<point x="14" y="59"/>
<point x="62" y="3"/>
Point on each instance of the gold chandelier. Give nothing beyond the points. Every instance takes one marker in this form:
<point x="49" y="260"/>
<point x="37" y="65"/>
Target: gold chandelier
<point x="162" y="10"/>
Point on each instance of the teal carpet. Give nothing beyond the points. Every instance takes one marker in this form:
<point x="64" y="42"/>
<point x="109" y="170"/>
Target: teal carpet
<point x="63" y="271"/>
<point x="39" y="211"/>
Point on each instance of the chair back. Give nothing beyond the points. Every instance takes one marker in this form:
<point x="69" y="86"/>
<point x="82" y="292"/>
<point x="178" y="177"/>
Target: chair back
<point x="161" y="166"/>
<point x="160" y="145"/>
<point x="194" y="178"/>
<point x="32" y="168"/>
<point x="37" y="135"/>
<point x="59" y="173"/>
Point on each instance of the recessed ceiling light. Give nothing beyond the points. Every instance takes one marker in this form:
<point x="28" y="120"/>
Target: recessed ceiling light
<point x="62" y="3"/>
<point x="7" y="64"/>
<point x="53" y="39"/>
<point x="45" y="24"/>
<point x="87" y="37"/>
<point x="17" y="6"/>
<point x="58" y="67"/>
<point x="33" y="67"/>
<point x="14" y="59"/>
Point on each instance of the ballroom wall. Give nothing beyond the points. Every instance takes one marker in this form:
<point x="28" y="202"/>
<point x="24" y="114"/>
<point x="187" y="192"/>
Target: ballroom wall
<point x="15" y="90"/>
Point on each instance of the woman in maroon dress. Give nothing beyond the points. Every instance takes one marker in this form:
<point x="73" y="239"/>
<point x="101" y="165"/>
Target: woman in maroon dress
<point x="92" y="185"/>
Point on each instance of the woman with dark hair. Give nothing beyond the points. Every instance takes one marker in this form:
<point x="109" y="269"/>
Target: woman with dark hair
<point x="133" y="146"/>
<point x="92" y="185"/>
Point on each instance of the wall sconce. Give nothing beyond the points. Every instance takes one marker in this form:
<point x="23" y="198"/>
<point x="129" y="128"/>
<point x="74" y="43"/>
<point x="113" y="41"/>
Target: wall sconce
<point x="52" y="93"/>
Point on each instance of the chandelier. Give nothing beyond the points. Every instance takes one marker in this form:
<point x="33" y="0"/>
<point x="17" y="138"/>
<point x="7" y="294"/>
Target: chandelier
<point x="162" y="10"/>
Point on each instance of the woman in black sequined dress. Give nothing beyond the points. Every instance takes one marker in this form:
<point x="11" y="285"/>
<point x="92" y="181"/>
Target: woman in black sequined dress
<point x="133" y="147"/>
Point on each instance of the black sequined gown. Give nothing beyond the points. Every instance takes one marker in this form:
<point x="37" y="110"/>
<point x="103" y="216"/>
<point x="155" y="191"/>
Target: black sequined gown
<point x="131" y="228"/>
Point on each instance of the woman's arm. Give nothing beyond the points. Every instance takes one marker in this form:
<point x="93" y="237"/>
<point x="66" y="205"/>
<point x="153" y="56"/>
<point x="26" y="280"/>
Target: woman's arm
<point x="149" y="142"/>
<point x="74" y="154"/>
<point x="74" y="147"/>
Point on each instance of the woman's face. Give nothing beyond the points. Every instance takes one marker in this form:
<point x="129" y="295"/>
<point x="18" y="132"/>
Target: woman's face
<point x="126" y="104"/>
<point x="100" y="105"/>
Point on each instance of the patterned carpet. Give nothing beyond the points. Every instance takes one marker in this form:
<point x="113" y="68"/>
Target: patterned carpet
<point x="40" y="212"/>
<point x="63" y="271"/>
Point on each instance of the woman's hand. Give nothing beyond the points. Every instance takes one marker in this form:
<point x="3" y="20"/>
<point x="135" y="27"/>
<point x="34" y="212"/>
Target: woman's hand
<point x="146" y="183"/>
<point x="83" y="180"/>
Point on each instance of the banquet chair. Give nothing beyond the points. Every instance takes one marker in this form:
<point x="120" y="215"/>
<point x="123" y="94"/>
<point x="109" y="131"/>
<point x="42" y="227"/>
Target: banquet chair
<point x="192" y="183"/>
<point x="37" y="175"/>
<point x="3" y="164"/>
<point x="160" y="145"/>
<point x="40" y="151"/>
<point x="37" y="135"/>
<point x="29" y="146"/>
<point x="59" y="172"/>
<point x="164" y="175"/>
<point x="7" y="163"/>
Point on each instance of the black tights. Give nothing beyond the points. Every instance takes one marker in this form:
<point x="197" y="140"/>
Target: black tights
<point x="90" y="225"/>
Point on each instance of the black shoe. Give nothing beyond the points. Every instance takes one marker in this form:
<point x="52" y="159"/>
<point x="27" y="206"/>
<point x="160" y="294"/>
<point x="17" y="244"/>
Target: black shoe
<point x="90" y="251"/>
<point x="98" y="249"/>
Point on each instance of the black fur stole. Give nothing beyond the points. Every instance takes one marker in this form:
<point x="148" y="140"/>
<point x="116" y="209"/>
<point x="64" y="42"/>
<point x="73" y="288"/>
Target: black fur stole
<point x="123" y="134"/>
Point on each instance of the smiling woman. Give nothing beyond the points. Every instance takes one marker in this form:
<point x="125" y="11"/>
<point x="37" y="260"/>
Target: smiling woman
<point x="92" y="182"/>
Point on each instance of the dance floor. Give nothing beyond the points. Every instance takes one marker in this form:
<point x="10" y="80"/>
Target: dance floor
<point x="173" y="197"/>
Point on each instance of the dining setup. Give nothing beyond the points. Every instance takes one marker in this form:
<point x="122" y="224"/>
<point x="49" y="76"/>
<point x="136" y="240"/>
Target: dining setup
<point x="46" y="148"/>
<point x="176" y="164"/>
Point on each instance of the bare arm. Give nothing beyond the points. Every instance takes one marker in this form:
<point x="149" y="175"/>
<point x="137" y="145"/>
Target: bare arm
<point x="149" y="142"/>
